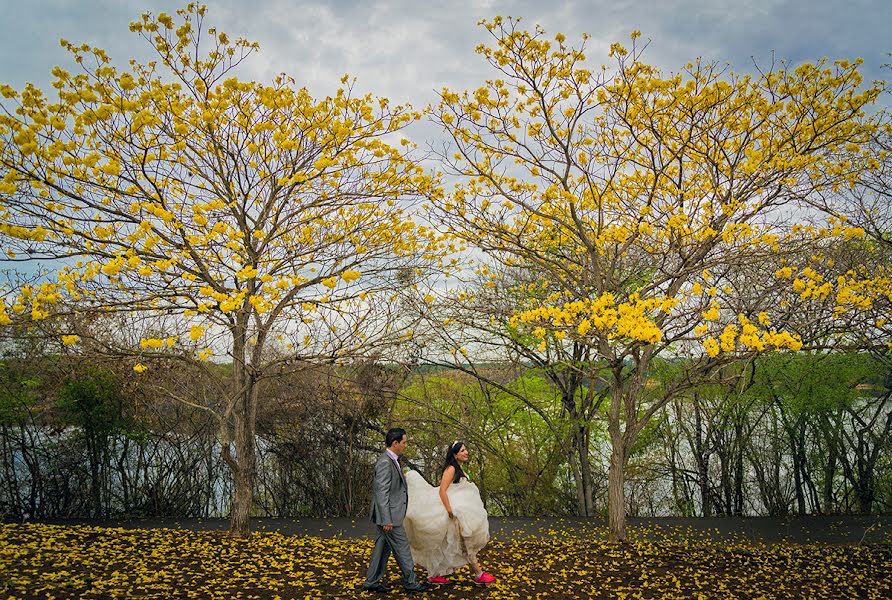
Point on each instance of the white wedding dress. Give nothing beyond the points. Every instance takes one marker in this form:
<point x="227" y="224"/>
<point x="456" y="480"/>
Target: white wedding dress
<point x="434" y="538"/>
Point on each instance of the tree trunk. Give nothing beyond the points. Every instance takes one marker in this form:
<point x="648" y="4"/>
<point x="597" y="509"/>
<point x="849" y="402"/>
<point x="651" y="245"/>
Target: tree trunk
<point x="866" y="496"/>
<point x="830" y="503"/>
<point x="13" y="486"/>
<point x="584" y="484"/>
<point x="245" y="473"/>
<point x="864" y="488"/>
<point x="93" y="457"/>
<point x="579" y="452"/>
<point x="28" y="451"/>
<point x="348" y="480"/>
<point x="829" y="475"/>
<point x="797" y="482"/>
<point x="244" y="464"/>
<point x="702" y="457"/>
<point x="616" y="493"/>
<point x="738" y="469"/>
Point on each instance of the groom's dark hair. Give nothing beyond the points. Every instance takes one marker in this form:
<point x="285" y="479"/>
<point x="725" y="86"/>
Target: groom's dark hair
<point x="394" y="435"/>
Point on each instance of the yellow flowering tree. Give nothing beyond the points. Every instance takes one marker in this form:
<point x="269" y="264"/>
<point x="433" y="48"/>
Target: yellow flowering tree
<point x="471" y="328"/>
<point x="860" y="272"/>
<point x="272" y="225"/>
<point x="632" y="199"/>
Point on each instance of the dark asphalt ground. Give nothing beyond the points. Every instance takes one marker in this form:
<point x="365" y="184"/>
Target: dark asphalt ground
<point x="794" y="529"/>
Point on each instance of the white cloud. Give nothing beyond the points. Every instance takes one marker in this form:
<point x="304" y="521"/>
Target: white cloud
<point x="406" y="50"/>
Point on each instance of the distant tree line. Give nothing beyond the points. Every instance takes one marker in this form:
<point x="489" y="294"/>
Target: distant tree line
<point x="85" y="437"/>
<point x="782" y="434"/>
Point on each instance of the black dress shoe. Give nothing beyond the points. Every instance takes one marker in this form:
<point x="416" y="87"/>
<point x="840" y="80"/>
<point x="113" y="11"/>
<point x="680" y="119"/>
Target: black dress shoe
<point x="375" y="587"/>
<point x="418" y="587"/>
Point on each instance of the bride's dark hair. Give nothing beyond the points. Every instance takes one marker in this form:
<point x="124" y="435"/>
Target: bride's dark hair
<point x="452" y="462"/>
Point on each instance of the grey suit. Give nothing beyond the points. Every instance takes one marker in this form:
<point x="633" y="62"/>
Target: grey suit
<point x="390" y="497"/>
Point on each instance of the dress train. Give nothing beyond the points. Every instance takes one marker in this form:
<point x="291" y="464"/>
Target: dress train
<point x="439" y="544"/>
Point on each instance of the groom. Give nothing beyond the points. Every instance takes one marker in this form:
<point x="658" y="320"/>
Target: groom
<point x="390" y="498"/>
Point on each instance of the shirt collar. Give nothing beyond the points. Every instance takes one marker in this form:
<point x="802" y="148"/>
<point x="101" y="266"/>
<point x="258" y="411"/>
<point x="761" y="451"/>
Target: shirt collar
<point x="392" y="455"/>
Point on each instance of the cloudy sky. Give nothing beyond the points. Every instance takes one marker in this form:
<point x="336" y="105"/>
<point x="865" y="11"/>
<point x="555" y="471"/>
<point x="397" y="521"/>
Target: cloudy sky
<point x="406" y="50"/>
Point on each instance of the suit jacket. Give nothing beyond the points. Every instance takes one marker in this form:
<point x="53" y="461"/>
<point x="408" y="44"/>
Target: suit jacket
<point x="390" y="496"/>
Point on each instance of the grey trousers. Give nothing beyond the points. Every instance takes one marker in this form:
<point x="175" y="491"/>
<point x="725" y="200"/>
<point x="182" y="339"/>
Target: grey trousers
<point x="395" y="541"/>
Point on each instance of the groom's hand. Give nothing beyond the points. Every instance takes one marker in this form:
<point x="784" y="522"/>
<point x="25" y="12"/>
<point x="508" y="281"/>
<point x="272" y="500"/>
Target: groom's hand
<point x="387" y="528"/>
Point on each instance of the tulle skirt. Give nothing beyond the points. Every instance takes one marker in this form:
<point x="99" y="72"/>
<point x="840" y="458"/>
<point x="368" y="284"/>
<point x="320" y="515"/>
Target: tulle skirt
<point x="440" y="544"/>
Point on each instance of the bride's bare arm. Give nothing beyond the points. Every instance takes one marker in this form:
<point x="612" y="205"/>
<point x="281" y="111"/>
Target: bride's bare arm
<point x="445" y="482"/>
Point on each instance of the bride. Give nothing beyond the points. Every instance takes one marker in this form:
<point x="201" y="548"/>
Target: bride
<point x="448" y="525"/>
